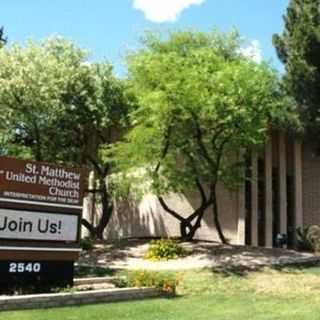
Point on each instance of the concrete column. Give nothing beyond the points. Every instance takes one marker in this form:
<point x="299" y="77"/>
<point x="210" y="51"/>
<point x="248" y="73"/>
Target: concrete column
<point x="268" y="195"/>
<point x="297" y="160"/>
<point x="241" y="237"/>
<point x="282" y="183"/>
<point x="254" y="199"/>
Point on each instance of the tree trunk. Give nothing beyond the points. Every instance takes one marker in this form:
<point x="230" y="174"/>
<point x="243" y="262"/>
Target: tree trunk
<point x="187" y="229"/>
<point x="216" y="220"/>
<point x="96" y="232"/>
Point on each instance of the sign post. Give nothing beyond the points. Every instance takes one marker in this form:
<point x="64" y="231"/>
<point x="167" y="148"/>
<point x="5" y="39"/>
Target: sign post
<point x="40" y="223"/>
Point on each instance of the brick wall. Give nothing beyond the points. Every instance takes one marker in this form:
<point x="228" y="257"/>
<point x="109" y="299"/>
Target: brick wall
<point x="148" y="219"/>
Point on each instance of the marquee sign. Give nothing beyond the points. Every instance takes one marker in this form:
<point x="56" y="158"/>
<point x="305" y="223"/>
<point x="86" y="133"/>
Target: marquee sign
<point x="40" y="226"/>
<point x="40" y="221"/>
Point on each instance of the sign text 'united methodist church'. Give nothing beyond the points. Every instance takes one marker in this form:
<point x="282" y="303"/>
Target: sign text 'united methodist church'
<point x="40" y="182"/>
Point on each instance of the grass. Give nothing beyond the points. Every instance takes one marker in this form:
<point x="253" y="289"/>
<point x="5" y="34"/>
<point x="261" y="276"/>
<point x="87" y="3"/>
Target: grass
<point x="291" y="293"/>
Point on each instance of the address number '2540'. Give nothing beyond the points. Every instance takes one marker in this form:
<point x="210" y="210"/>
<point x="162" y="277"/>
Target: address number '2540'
<point x="21" y="267"/>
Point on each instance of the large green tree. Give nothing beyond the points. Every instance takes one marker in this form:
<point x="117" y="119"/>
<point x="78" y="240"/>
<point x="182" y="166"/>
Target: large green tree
<point x="202" y="104"/>
<point x="55" y="106"/>
<point x="33" y="80"/>
<point x="298" y="47"/>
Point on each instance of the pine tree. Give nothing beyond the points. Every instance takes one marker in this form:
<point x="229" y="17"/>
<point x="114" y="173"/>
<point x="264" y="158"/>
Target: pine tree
<point x="298" y="47"/>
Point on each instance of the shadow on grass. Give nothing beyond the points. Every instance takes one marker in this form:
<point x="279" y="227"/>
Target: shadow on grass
<point x="93" y="271"/>
<point x="243" y="271"/>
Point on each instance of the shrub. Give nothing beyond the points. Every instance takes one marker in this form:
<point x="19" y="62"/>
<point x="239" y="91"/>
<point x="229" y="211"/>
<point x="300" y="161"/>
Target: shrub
<point x="87" y="244"/>
<point x="302" y="239"/>
<point x="164" y="249"/>
<point x="166" y="282"/>
<point x="309" y="238"/>
<point x="314" y="237"/>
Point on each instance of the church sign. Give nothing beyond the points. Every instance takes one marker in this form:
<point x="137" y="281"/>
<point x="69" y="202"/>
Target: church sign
<point x="40" y="182"/>
<point x="40" y="221"/>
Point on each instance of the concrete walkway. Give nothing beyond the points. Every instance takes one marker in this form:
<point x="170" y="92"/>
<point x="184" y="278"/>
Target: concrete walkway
<point x="128" y="254"/>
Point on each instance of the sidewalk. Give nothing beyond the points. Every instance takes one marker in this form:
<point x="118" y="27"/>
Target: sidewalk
<point x="128" y="254"/>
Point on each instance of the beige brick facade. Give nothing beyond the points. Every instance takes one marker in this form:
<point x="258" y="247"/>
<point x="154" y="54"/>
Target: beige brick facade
<point x="310" y="185"/>
<point x="148" y="219"/>
<point x="289" y="197"/>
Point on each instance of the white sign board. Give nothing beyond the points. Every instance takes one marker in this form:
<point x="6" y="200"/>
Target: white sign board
<point x="30" y="225"/>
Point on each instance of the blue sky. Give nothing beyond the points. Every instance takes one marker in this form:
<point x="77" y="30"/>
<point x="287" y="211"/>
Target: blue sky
<point x="110" y="27"/>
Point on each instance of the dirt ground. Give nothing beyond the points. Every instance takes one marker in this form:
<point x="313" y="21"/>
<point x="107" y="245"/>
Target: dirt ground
<point x="129" y="254"/>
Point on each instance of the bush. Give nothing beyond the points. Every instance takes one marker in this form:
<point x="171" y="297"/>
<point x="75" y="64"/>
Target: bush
<point x="309" y="238"/>
<point x="164" y="249"/>
<point x="166" y="282"/>
<point x="302" y="239"/>
<point x="314" y="237"/>
<point x="87" y="244"/>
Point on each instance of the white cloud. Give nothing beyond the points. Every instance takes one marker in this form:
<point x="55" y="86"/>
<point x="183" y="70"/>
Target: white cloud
<point x="163" y="10"/>
<point x="253" y="51"/>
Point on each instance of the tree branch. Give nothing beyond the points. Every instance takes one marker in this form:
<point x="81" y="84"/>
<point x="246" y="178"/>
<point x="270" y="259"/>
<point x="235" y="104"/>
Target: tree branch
<point x="199" y="137"/>
<point x="201" y="191"/>
<point x="96" y="165"/>
<point x="165" y="149"/>
<point x="197" y="181"/>
<point x="170" y="211"/>
<point x="88" y="225"/>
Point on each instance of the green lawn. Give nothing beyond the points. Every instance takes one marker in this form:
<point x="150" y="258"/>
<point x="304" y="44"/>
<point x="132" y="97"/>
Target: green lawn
<point x="288" y="294"/>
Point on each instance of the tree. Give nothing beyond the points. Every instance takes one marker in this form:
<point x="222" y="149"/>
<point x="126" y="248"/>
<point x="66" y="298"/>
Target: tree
<point x="97" y="107"/>
<point x="56" y="107"/>
<point x="298" y="47"/>
<point x="202" y="104"/>
<point x="32" y="82"/>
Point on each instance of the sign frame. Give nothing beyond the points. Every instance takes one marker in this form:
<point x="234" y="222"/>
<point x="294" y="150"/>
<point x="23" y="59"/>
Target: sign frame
<point x="50" y="252"/>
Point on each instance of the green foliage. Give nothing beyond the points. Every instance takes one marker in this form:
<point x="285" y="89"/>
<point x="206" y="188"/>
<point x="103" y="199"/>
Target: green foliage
<point x="57" y="107"/>
<point x="309" y="238"/>
<point x="33" y="80"/>
<point x="167" y="282"/>
<point x="298" y="47"/>
<point x="165" y="249"/>
<point x="200" y="103"/>
<point x="304" y="243"/>
<point x="314" y="237"/>
<point x="87" y="244"/>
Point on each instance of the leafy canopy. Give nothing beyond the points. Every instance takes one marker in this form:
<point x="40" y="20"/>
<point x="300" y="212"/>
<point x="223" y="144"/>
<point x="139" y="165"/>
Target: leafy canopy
<point x="33" y="80"/>
<point x="55" y="105"/>
<point x="201" y="102"/>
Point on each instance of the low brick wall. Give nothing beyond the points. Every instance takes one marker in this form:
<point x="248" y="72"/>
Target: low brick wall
<point x="38" y="301"/>
<point x="96" y="280"/>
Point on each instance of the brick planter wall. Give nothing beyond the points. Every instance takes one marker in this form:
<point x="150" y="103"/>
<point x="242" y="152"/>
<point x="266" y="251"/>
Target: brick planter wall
<point x="37" y="301"/>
